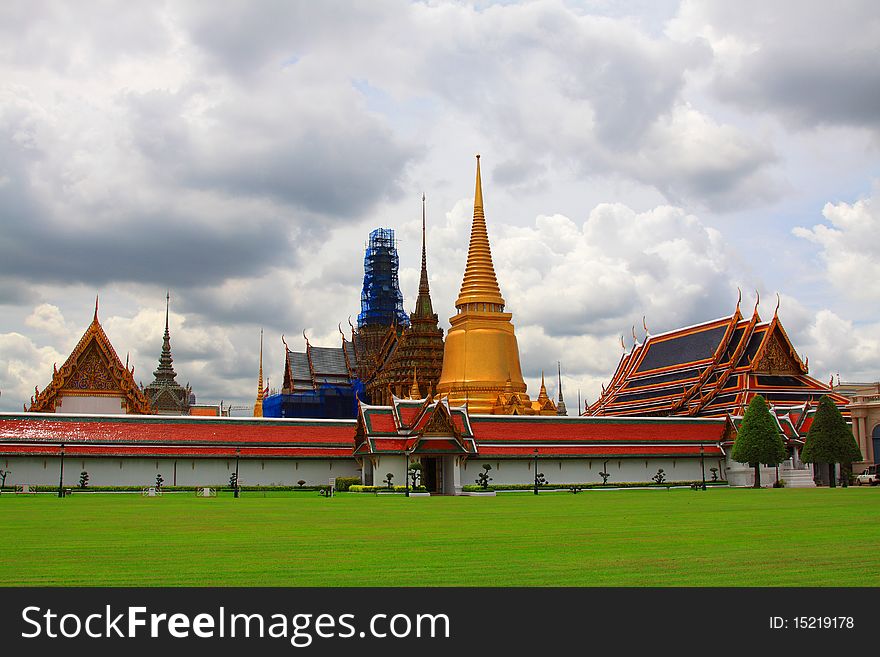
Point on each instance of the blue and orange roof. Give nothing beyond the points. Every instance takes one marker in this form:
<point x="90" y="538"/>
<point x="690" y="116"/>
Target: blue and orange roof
<point x="710" y="370"/>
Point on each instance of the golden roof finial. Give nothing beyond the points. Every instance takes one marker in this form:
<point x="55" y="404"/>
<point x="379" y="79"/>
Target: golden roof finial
<point x="480" y="284"/>
<point x="96" y="309"/>
<point x="258" y="405"/>
<point x="414" y="389"/>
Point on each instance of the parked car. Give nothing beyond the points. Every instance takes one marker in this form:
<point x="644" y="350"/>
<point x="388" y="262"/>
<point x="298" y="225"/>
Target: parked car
<point x="869" y="476"/>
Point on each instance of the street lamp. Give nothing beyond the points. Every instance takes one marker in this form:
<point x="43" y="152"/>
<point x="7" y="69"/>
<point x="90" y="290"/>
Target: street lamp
<point x="406" y="474"/>
<point x="702" y="466"/>
<point x="237" y="490"/>
<point x="61" y="476"/>
<point x="536" y="472"/>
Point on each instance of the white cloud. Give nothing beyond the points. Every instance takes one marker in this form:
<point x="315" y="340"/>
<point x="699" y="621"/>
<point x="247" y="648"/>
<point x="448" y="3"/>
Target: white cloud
<point x="850" y="249"/>
<point x="23" y="366"/>
<point x="48" y="318"/>
<point x="836" y="345"/>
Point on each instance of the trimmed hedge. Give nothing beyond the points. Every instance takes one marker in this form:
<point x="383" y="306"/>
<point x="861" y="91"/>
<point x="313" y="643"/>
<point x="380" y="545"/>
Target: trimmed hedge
<point x="473" y="488"/>
<point x="344" y="483"/>
<point x="358" y="488"/>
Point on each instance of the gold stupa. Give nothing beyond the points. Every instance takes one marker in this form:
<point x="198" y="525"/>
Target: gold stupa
<point x="481" y="357"/>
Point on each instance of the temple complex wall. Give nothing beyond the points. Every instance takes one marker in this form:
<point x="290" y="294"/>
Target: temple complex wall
<point x="585" y="471"/>
<point x="98" y="404"/>
<point x="45" y="471"/>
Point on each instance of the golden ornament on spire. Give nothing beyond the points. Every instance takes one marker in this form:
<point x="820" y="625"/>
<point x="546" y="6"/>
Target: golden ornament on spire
<point x="414" y="389"/>
<point x="258" y="405"/>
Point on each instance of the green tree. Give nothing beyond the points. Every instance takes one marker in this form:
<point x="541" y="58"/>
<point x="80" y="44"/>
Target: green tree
<point x="830" y="440"/>
<point x="758" y="439"/>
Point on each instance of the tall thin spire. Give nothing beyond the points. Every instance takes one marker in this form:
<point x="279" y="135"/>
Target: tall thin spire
<point x="480" y="286"/>
<point x="560" y="405"/>
<point x="95" y="319"/>
<point x="165" y="371"/>
<point x="258" y="405"/>
<point x="424" y="308"/>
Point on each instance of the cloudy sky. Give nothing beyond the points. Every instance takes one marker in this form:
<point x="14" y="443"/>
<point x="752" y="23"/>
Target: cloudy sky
<point x="639" y="158"/>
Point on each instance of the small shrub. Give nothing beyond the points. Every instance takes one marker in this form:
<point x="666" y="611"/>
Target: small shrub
<point x="605" y="477"/>
<point x="83" y="479"/>
<point x="233" y="480"/>
<point x="388" y="481"/>
<point x="660" y="477"/>
<point x="159" y="480"/>
<point x="779" y="483"/>
<point x="714" y="472"/>
<point x="483" y="478"/>
<point x="415" y="474"/>
<point x="301" y="483"/>
<point x="344" y="483"/>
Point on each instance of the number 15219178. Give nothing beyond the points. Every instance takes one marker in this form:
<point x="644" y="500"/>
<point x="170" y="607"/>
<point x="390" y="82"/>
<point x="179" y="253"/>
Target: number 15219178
<point x="812" y="623"/>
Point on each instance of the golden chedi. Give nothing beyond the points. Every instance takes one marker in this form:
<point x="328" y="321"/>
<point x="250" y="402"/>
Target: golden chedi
<point x="481" y="357"/>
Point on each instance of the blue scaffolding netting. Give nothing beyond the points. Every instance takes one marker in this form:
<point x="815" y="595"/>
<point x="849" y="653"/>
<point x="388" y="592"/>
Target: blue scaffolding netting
<point x="381" y="300"/>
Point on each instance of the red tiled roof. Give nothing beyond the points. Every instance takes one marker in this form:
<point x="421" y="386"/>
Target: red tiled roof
<point x="380" y="420"/>
<point x="389" y="444"/>
<point x="627" y="430"/>
<point x="408" y="414"/>
<point x="127" y="430"/>
<point x="594" y="451"/>
<point x="174" y="451"/>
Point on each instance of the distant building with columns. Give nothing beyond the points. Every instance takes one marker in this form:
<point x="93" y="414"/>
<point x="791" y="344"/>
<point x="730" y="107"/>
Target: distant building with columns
<point x="865" y="408"/>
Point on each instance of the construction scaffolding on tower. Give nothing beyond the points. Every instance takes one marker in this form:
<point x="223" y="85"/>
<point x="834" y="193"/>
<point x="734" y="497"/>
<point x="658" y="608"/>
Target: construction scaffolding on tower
<point x="381" y="300"/>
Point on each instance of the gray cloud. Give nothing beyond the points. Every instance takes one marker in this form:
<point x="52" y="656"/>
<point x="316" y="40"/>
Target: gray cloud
<point x="810" y="63"/>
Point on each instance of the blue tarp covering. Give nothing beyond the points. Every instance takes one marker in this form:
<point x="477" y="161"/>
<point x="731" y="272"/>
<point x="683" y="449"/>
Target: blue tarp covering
<point x="327" y="402"/>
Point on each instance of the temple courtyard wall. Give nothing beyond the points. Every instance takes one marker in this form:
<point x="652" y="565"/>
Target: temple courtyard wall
<point x="140" y="472"/>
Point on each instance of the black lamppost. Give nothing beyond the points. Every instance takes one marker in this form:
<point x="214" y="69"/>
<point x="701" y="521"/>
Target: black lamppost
<point x="236" y="492"/>
<point x="702" y="466"/>
<point x="61" y="476"/>
<point x="406" y="474"/>
<point x="536" y="472"/>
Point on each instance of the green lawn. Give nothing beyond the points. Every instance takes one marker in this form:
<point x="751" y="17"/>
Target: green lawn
<point x="722" y="537"/>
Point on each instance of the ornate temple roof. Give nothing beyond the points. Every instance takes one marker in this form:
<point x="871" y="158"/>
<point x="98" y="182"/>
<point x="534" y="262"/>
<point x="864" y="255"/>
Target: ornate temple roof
<point x="711" y="369"/>
<point x="317" y="366"/>
<point x="166" y="395"/>
<point x="418" y="347"/>
<point x="401" y="426"/>
<point x="92" y="369"/>
<point x="421" y="426"/>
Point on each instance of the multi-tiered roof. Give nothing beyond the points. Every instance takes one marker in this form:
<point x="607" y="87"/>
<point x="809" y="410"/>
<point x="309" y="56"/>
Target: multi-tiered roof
<point x="414" y="356"/>
<point x="167" y="396"/>
<point x="711" y="369"/>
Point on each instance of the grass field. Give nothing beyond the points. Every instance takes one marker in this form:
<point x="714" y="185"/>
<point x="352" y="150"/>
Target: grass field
<point x="722" y="537"/>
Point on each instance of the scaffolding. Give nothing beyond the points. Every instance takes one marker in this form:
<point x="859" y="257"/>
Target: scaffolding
<point x="381" y="300"/>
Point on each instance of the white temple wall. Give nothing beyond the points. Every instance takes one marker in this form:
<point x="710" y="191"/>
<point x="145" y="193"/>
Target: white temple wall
<point x="114" y="471"/>
<point x="585" y="471"/>
<point x="99" y="404"/>
<point x="142" y="472"/>
<point x="742" y="474"/>
<point x="393" y="463"/>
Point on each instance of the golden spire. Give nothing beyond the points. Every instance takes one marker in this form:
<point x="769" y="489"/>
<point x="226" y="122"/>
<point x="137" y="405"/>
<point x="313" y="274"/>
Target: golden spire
<point x="542" y="393"/>
<point x="414" y="389"/>
<point x="258" y="405"/>
<point x="479" y="284"/>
